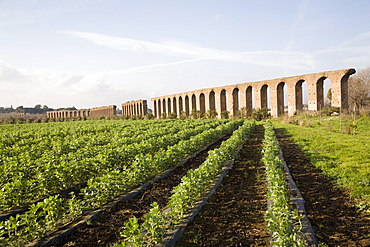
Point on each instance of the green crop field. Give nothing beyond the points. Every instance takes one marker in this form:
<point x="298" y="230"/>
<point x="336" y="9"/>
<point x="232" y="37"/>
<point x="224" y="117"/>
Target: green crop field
<point x="53" y="173"/>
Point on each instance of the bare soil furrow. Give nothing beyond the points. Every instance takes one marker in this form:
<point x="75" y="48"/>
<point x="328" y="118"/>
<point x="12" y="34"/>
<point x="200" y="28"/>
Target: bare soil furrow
<point x="234" y="215"/>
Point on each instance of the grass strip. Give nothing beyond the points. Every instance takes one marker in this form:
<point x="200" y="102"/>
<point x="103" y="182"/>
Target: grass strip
<point x="343" y="158"/>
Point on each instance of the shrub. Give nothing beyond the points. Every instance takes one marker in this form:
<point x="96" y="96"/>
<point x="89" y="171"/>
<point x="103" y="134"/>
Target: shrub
<point x="10" y="120"/>
<point x="172" y="115"/>
<point x="20" y="121"/>
<point x="149" y="116"/>
<point x="328" y="111"/>
<point x="244" y="113"/>
<point x="182" y="115"/>
<point x="260" y="114"/>
<point x="225" y="115"/>
<point x="212" y="114"/>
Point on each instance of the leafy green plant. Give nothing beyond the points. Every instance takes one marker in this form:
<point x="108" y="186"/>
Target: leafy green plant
<point x="260" y="114"/>
<point x="283" y="223"/>
<point x="225" y="115"/>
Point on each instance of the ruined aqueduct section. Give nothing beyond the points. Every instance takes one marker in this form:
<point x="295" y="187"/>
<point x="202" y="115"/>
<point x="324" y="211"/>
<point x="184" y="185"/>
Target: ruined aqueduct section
<point x="133" y="108"/>
<point x="106" y="111"/>
<point x="234" y="97"/>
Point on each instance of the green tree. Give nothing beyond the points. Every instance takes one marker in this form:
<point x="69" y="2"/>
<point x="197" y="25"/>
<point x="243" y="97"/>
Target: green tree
<point x="329" y="96"/>
<point x="19" y="109"/>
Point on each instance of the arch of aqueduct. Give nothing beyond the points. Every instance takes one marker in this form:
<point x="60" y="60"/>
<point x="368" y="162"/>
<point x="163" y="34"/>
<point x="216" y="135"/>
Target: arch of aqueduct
<point x="234" y="97"/>
<point x="105" y="111"/>
<point x="138" y="107"/>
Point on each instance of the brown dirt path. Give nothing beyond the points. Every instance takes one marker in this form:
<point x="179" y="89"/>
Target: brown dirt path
<point x="234" y="215"/>
<point x="105" y="230"/>
<point x="329" y="208"/>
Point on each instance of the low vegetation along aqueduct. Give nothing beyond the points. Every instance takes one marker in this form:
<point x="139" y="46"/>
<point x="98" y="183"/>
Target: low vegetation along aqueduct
<point x="234" y="97"/>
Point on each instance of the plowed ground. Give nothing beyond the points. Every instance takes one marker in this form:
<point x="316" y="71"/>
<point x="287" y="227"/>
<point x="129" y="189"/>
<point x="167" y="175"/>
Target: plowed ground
<point x="234" y="215"/>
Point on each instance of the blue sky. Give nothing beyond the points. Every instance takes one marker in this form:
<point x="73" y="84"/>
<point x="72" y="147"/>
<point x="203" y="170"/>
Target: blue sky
<point x="89" y="53"/>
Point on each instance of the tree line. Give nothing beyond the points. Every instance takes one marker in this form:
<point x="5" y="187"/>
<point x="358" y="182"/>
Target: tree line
<point x="38" y="109"/>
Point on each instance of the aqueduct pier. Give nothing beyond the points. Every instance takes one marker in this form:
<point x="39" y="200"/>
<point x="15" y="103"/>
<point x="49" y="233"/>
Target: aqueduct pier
<point x="138" y="107"/>
<point x="232" y="98"/>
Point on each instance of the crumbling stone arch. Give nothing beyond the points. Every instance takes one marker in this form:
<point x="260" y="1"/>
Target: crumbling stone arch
<point x="280" y="98"/>
<point x="235" y="103"/>
<point x="249" y="99"/>
<point x="155" y="108"/>
<point x="320" y="93"/>
<point x="299" y="96"/>
<point x="193" y="103"/>
<point x="164" y="110"/>
<point x="263" y="96"/>
<point x="169" y="106"/>
<point x="174" y="105"/>
<point x="159" y="109"/>
<point x="212" y="101"/>
<point x="341" y="98"/>
<point x="223" y="100"/>
<point x="181" y="106"/>
<point x="187" y="106"/>
<point x="202" y="103"/>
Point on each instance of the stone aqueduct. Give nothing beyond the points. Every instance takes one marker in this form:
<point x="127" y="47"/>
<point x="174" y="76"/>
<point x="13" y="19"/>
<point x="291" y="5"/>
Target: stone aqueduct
<point x="106" y="111"/>
<point x="138" y="107"/>
<point x="234" y="97"/>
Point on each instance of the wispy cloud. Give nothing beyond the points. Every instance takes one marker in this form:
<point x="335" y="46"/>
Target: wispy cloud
<point x="359" y="43"/>
<point x="170" y="48"/>
<point x="152" y="66"/>
<point x="195" y="52"/>
<point x="364" y="37"/>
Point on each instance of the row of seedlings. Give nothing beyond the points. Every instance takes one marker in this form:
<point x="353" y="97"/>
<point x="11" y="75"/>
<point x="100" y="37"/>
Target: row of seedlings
<point x="284" y="222"/>
<point x="157" y="223"/>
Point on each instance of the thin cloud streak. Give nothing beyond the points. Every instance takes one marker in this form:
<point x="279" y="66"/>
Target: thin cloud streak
<point x="358" y="43"/>
<point x="362" y="37"/>
<point x="176" y="48"/>
<point x="152" y="66"/>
